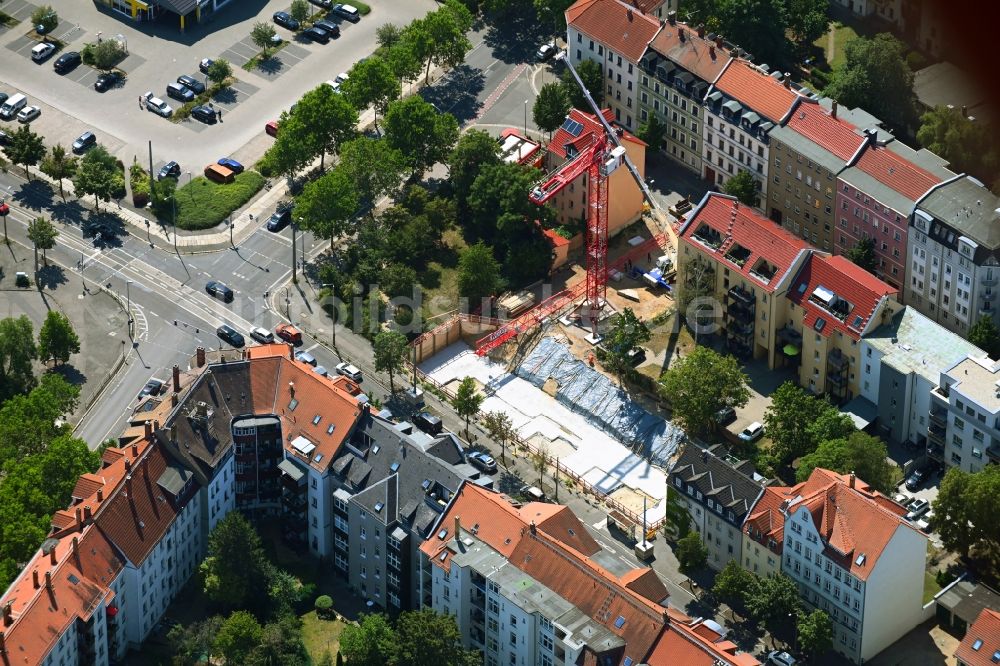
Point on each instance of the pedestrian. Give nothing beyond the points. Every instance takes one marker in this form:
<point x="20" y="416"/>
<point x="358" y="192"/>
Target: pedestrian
<point x="649" y="257"/>
<point x="140" y="101"/>
<point x="219" y="115"/>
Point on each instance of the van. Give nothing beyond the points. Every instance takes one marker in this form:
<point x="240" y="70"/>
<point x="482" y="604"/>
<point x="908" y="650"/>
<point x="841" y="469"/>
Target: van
<point x="179" y="92"/>
<point x="219" y="173"/>
<point x="262" y="335"/>
<point x="12" y="106"/>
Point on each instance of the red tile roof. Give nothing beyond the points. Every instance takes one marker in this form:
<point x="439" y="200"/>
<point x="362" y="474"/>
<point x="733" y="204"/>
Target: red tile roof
<point x="896" y="172"/>
<point x="751" y="87"/>
<point x="591" y="126"/>
<point x="741" y="225"/>
<point x="849" y="282"/>
<point x="615" y="24"/>
<point x="694" y="53"/>
<point x="698" y="645"/>
<point x="835" y="135"/>
<point x="984" y="632"/>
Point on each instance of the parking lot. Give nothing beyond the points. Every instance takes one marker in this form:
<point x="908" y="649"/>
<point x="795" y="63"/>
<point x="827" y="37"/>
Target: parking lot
<point x="158" y="52"/>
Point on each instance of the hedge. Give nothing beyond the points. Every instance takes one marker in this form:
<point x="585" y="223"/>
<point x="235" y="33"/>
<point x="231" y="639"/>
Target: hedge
<point x="203" y="203"/>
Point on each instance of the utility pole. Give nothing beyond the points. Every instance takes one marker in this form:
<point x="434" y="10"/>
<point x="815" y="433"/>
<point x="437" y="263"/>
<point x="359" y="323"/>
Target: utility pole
<point x="231" y="225"/>
<point x="294" y="279"/>
<point x="152" y="185"/>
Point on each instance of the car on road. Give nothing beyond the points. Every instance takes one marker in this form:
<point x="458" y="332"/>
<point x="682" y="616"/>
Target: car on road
<point x="204" y="114"/>
<point x="262" y="335"/>
<point x="152" y="387"/>
<point x="349" y="12"/>
<point x="191" y="83"/>
<point x="157" y="105"/>
<point x="169" y="170"/>
<point x="918" y="508"/>
<point x="40" y="52"/>
<point x="219" y="290"/>
<point x="315" y="34"/>
<point x="775" y="658"/>
<point x="288" y="333"/>
<point x="84" y="141"/>
<point x="28" y="113"/>
<point x="279" y="219"/>
<point x="428" y="423"/>
<point x="271" y="128"/>
<point x="329" y="26"/>
<point x="230" y="164"/>
<point x="350" y="371"/>
<point x="67" y="61"/>
<point x="752" y="432"/>
<point x="305" y="357"/>
<point x="106" y="80"/>
<point x="484" y="462"/>
<point x="916" y="478"/>
<point x="545" y="51"/>
<point x="285" y="20"/>
<point x="230" y="335"/>
<point x="725" y="416"/>
<point x="180" y="93"/>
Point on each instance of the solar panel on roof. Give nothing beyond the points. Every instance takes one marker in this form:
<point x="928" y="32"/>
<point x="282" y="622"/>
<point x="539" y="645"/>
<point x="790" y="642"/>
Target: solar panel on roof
<point x="572" y="126"/>
<point x="620" y="622"/>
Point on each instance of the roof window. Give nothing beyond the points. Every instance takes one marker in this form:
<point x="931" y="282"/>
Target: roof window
<point x="329" y="429"/>
<point x="317" y="419"/>
<point x="620" y="622"/>
<point x="861" y="560"/>
<point x="978" y="644"/>
<point x="443" y="533"/>
<point x="394" y="467"/>
<point x="820" y="323"/>
<point x="378" y="506"/>
<point x="376" y="449"/>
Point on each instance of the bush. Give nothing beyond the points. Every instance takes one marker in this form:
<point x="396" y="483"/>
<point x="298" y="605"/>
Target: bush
<point x="203" y="203"/>
<point x="324" y="606"/>
<point x="139" y="182"/>
<point x="104" y="55"/>
<point x="916" y="60"/>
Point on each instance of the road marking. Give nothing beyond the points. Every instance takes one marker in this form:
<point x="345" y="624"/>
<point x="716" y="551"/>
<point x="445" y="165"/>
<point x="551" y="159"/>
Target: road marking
<point x="500" y="90"/>
<point x="309" y="349"/>
<point x="603" y="522"/>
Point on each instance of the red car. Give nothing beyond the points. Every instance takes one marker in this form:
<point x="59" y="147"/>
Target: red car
<point x="288" y="333"/>
<point x="4" y="208"/>
<point x="271" y="128"/>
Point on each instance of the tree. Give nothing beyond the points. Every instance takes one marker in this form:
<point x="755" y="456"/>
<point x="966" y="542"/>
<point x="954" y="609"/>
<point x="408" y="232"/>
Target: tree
<point x="467" y="401"/>
<point x="691" y="553"/>
<point x="327" y="204"/>
<point x="985" y="335"/>
<point x="478" y="273"/>
<point x="426" y="636"/>
<point x="419" y="132"/>
<point x="375" y="167"/>
<point x="772" y="599"/>
<point x="25" y="148"/>
<point x="743" y="186"/>
<point x="299" y="10"/>
<point x="787" y="420"/>
<point x="592" y="77"/>
<point x="700" y="384"/>
<point x="57" y="339"/>
<point x="58" y="165"/>
<point x="965" y="143"/>
<point x="98" y="174"/>
<point x="192" y="641"/>
<point x="280" y="643"/>
<point x="17" y="351"/>
<point x="398" y="280"/>
<point x="370" y="642"/>
<point x="815" y="633"/>
<point x="292" y="149"/>
<point x="758" y="26"/>
<point x="860" y="454"/>
<point x="732" y="583"/>
<point x="807" y="19"/>
<point x="372" y="83"/>
<point x="219" y="71"/>
<point x="553" y="12"/>
<point x="236" y="572"/>
<point x="262" y="35"/>
<point x="627" y="333"/>
<point x="328" y="118"/>
<point x="500" y="428"/>
<point x="439" y="37"/>
<point x="540" y="460"/>
<point x="29" y="423"/>
<point x="45" y="18"/>
<point x="403" y="60"/>
<point x="474" y="151"/>
<point x="863" y="254"/>
<point x="962" y="511"/>
<point x="238" y="636"/>
<point x="388" y="35"/>
<point x="107" y="53"/>
<point x="390" y="351"/>
<point x="42" y="235"/>
<point x="551" y="107"/>
<point x="875" y="75"/>
<point x="653" y="132"/>
<point x="831" y="424"/>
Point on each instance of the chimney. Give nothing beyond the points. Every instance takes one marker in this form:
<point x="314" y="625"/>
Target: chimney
<point x="8" y="618"/>
<point x="48" y="580"/>
<point x="787" y="80"/>
<point x="173" y="399"/>
<point x="532" y="527"/>
<point x="718" y="41"/>
<point x="458" y="526"/>
<point x="833" y="109"/>
<point x="680" y="33"/>
<point x="672" y="18"/>
<point x="852" y="479"/>
<point x="76" y="547"/>
<point x="711" y="52"/>
<point x="148" y="429"/>
<point x="701" y="29"/>
<point x="630" y="15"/>
<point x="291" y="352"/>
<point x="34" y="578"/>
<point x="965" y="111"/>
<point x="872" y="135"/>
<point x="200" y="356"/>
<point x="100" y="494"/>
<point x="128" y="465"/>
<point x="291" y="389"/>
<point x="52" y="557"/>
<point x="177" y="379"/>
<point x="88" y="514"/>
<point x="79" y="519"/>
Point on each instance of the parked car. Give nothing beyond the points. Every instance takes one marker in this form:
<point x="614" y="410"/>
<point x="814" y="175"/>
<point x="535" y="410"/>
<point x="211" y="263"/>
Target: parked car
<point x="4" y="138"/>
<point x="84" y="141"/>
<point x="341" y="77"/>
<point x="325" y="4"/>
<point x="271" y="128"/>
<point x="484" y="462"/>
<point x="279" y="220"/>
<point x="926" y="524"/>
<point x="321" y="371"/>
<point x="545" y="51"/>
<point x="916" y="478"/>
<point x="350" y="371"/>
<point x="28" y="113"/>
<point x="918" y="508"/>
<point x="231" y="164"/>
<point x="180" y="93"/>
<point x="204" y="65"/>
<point x="725" y="416"/>
<point x="3" y="97"/>
<point x="349" y="12"/>
<point x="152" y="387"/>
<point x="288" y="333"/>
<point x="262" y="335"/>
<point x="285" y="20"/>
<point x="428" y="423"/>
<point x="776" y="658"/>
<point x="752" y="432"/>
<point x="169" y="170"/>
<point x="305" y="357"/>
<point x="230" y="335"/>
<point x="40" y="52"/>
<point x="204" y="114"/>
<point x="191" y="83"/>
<point x="157" y="105"/>
<point x="106" y="80"/>
<point x="67" y="61"/>
<point x="315" y="34"/>
<point x="329" y="26"/>
<point x="219" y="290"/>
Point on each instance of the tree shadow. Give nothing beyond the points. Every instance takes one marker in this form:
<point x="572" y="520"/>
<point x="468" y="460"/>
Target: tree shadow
<point x="35" y="194"/>
<point x="457" y="93"/>
<point x="226" y="95"/>
<point x="70" y="373"/>
<point x="51" y="276"/>
<point x="271" y="65"/>
<point x="516" y="37"/>
<point x="105" y="228"/>
<point x="67" y="212"/>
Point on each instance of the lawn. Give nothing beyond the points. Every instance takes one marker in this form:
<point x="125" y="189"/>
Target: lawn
<point x="203" y="203"/>
<point x="930" y="587"/>
<point x="440" y="278"/>
<point x="259" y="59"/>
<point x="320" y="635"/>
<point x="841" y="35"/>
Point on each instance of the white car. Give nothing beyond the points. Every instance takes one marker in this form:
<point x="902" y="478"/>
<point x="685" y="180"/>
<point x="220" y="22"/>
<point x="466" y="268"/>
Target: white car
<point x="341" y="77"/>
<point x="28" y="113"/>
<point x="157" y="105"/>
<point x="752" y="432"/>
<point x="334" y="84"/>
<point x="545" y="51"/>
<point x="40" y="52"/>
<point x="349" y="371"/>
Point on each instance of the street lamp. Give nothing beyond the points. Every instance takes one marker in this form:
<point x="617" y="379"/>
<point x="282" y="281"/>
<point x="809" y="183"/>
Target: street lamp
<point x="231" y="226"/>
<point x="128" y="306"/>
<point x="333" y="313"/>
<point x="294" y="229"/>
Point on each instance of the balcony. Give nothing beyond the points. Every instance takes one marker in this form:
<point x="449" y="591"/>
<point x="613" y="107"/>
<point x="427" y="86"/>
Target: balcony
<point x="988" y="281"/>
<point x="936" y="433"/>
<point x="935" y="452"/>
<point x="742" y="296"/>
<point x="987" y="310"/>
<point x="836" y="361"/>
<point x="993" y="453"/>
<point x="939" y="416"/>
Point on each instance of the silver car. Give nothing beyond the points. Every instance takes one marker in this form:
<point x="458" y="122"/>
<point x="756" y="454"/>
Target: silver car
<point x="157" y="105"/>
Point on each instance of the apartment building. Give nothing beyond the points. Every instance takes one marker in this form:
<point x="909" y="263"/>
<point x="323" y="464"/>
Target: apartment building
<point x="528" y="585"/>
<point x="743" y="106"/>
<point x="876" y="194"/>
<point x="718" y="491"/>
<point x="613" y="34"/>
<point x="807" y="153"/>
<point x="902" y="362"/>
<point x="625" y="200"/>
<point x="964" y="415"/>
<point x="677" y="70"/>
<point x="953" y="249"/>
<point x="981" y="645"/>
<point x="852" y="554"/>
<point x="740" y="266"/>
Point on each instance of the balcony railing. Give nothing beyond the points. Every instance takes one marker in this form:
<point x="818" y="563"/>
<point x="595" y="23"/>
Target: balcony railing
<point x="939" y="417"/>
<point x="993" y="452"/>
<point x="836" y="360"/>
<point x="742" y="296"/>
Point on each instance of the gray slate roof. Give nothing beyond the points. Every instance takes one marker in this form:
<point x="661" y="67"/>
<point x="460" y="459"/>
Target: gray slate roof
<point x="736" y="486"/>
<point x="968" y="208"/>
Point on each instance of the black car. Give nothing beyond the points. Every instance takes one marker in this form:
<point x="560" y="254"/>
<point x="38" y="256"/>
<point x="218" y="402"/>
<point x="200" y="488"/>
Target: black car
<point x="279" y="220"/>
<point x="152" y="387"/>
<point x="106" y="81"/>
<point x="204" y="114"/>
<point x="916" y="479"/>
<point x="349" y="12"/>
<point x="66" y="62"/>
<point x="204" y="65"/>
<point x="192" y="84"/>
<point x="315" y="34"/>
<point x="231" y="335"/>
<point x="3" y="97"/>
<point x="219" y="290"/>
<point x="84" y="141"/>
<point x="180" y="93"/>
<point x="169" y="170"/>
<point x="4" y="137"/>
<point x="329" y="26"/>
<point x="285" y="20"/>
